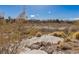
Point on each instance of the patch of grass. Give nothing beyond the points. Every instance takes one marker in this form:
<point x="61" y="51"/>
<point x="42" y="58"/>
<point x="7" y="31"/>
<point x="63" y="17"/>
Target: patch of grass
<point x="58" y="34"/>
<point x="76" y="35"/>
<point x="65" y="46"/>
<point x="32" y="31"/>
<point x="38" y="34"/>
<point x="67" y="39"/>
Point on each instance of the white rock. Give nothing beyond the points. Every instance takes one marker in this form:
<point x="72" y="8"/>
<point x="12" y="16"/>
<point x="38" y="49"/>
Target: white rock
<point x="23" y="51"/>
<point x="45" y="38"/>
<point x="36" y="52"/>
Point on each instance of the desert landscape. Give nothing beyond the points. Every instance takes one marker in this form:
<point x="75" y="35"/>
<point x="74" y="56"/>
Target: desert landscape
<point x="33" y="36"/>
<point x="26" y="36"/>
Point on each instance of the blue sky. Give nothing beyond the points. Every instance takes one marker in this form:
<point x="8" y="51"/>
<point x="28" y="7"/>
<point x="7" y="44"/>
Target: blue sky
<point x="42" y="11"/>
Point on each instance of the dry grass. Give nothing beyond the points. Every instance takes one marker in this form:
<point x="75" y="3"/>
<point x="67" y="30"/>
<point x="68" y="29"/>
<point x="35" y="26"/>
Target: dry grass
<point x="76" y="35"/>
<point x="38" y="34"/>
<point x="10" y="37"/>
<point x="58" y="34"/>
<point x="11" y="34"/>
<point x="33" y="32"/>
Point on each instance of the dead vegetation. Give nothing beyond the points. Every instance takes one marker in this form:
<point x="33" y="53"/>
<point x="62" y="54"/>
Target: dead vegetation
<point x="13" y="32"/>
<point x="58" y="34"/>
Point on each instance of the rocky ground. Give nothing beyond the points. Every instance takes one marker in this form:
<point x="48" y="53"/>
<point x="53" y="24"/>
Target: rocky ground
<point x="47" y="44"/>
<point x="40" y="45"/>
<point x="36" y="38"/>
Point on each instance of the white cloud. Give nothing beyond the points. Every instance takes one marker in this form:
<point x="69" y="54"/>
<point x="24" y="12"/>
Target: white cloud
<point x="32" y="16"/>
<point x="73" y="18"/>
<point x="76" y="18"/>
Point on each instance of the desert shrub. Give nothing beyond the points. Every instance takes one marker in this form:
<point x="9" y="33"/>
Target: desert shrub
<point x="9" y="36"/>
<point x="68" y="39"/>
<point x="11" y="48"/>
<point x="38" y="34"/>
<point x="58" y="34"/>
<point x="32" y="31"/>
<point x="65" y="46"/>
<point x="75" y="35"/>
<point x="9" y="44"/>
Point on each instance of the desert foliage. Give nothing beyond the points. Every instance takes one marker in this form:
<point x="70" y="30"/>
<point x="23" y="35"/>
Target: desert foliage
<point x="58" y="34"/>
<point x="12" y="33"/>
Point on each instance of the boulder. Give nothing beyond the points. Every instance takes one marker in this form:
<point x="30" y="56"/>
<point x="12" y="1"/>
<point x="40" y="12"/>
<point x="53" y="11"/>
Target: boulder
<point x="44" y="38"/>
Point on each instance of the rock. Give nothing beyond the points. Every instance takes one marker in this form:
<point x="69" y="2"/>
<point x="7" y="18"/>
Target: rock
<point x="48" y="47"/>
<point x="36" y="52"/>
<point x="49" y="50"/>
<point x="44" y="38"/>
<point x="58" y="52"/>
<point x="35" y="45"/>
<point x="44" y="43"/>
<point x="23" y="51"/>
